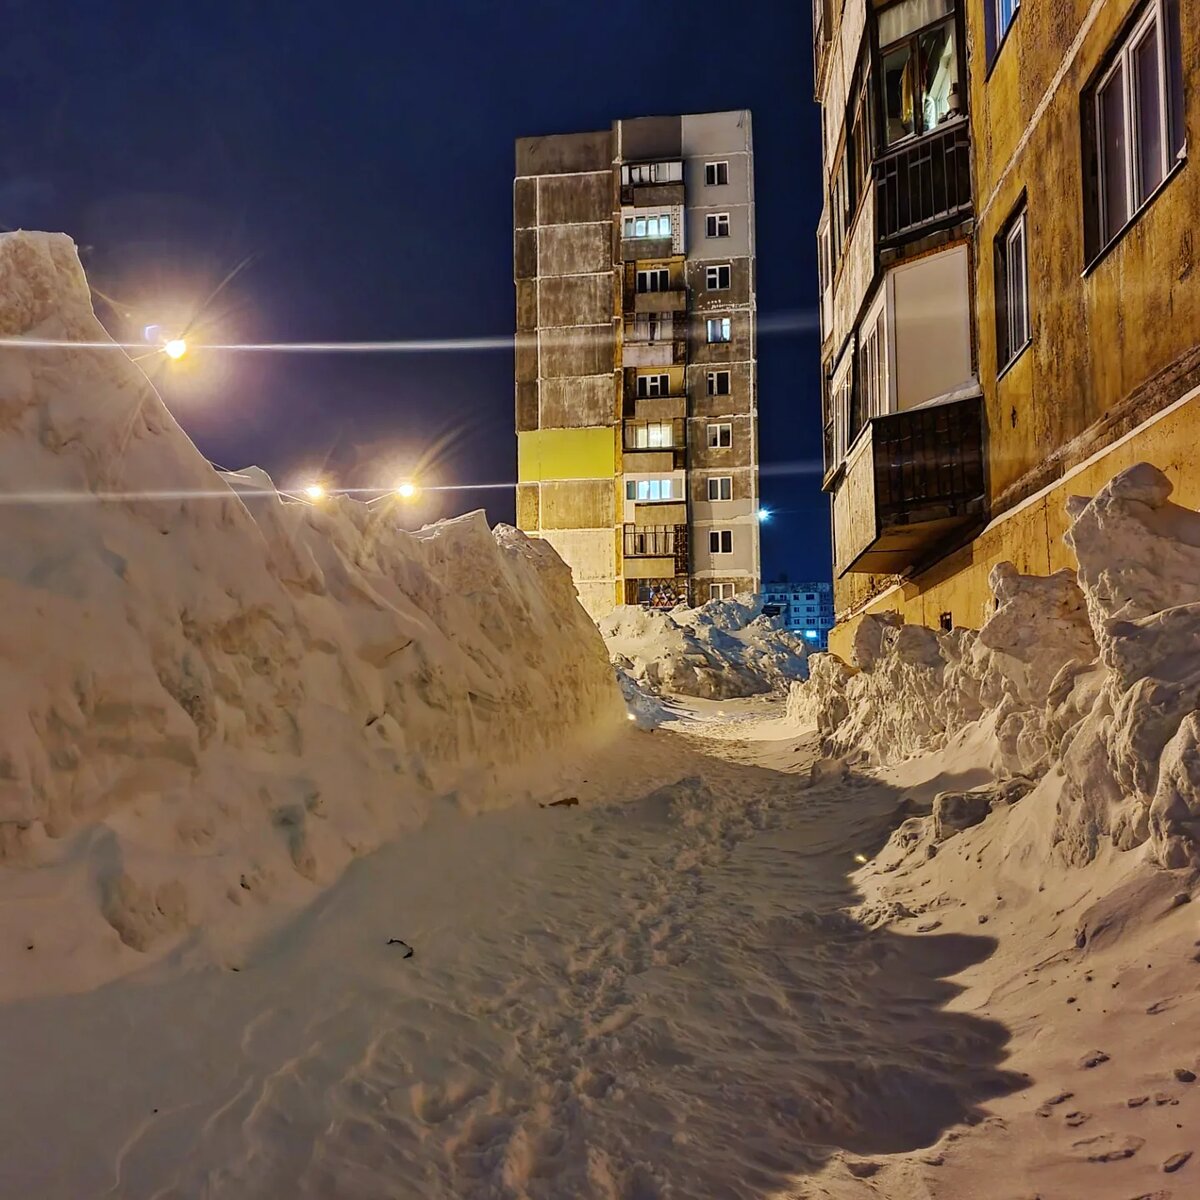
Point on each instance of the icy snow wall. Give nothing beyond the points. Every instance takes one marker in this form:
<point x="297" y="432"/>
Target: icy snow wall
<point x="722" y="649"/>
<point x="1094" y="675"/>
<point x="209" y="705"/>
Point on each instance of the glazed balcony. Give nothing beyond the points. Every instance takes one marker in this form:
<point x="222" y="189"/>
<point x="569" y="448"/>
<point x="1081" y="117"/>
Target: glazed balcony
<point x="913" y="482"/>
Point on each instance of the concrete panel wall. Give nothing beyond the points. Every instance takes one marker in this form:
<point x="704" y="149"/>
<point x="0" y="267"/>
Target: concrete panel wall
<point x="740" y="241"/>
<point x="644" y="138"/>
<point x="577" y="401"/>
<point x="739" y="292"/>
<point x="528" y="511"/>
<point x="717" y="132"/>
<point x="546" y="454"/>
<point x="574" y="199"/>
<point x="737" y="401"/>
<point x="577" y="504"/>
<point x="574" y="249"/>
<point x="741" y="561"/>
<point x="590" y="553"/>
<point x="738" y="349"/>
<point x="575" y="300"/>
<point x="582" y="350"/>
<point x="563" y="153"/>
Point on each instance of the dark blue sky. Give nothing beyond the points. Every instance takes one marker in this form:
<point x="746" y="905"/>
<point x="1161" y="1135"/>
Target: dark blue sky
<point x="358" y="160"/>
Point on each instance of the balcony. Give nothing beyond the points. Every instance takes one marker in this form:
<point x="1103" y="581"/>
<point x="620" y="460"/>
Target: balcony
<point x="923" y="184"/>
<point x="660" y="302"/>
<point x="651" y="195"/>
<point x="654" y="551"/>
<point x="677" y="442"/>
<point x="646" y="247"/>
<point x="913" y="481"/>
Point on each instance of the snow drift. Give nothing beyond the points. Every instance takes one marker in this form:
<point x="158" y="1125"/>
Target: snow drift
<point x="1090" y="680"/>
<point x="723" y="649"/>
<point x="211" y="702"/>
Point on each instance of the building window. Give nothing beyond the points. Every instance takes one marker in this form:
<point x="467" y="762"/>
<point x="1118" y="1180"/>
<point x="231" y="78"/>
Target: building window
<point x="1134" y="122"/>
<point x="872" y="373"/>
<point x="652" y="327"/>
<point x="719" y="329"/>
<point x="717" y="383"/>
<point x="720" y="541"/>
<point x="1000" y="16"/>
<point x="720" y="591"/>
<point x="716" y="174"/>
<point x="1012" y="289"/>
<point x="919" y="78"/>
<point x="716" y="225"/>
<point x="716" y="279"/>
<point x="720" y="437"/>
<point x="660" y="172"/>
<point x="653" y="385"/>
<point x="655" y="279"/>
<point x="652" y="225"/>
<point x="720" y="487"/>
<point x="651" y="490"/>
<point x="656" y="435"/>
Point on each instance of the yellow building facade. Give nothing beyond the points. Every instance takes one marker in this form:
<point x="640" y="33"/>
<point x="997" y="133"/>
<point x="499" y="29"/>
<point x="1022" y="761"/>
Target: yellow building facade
<point x="1084" y="297"/>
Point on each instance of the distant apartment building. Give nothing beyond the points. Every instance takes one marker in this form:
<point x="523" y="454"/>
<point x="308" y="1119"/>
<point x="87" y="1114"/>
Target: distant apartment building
<point x="1010" y="293"/>
<point x="806" y="609"/>
<point x="636" y="378"/>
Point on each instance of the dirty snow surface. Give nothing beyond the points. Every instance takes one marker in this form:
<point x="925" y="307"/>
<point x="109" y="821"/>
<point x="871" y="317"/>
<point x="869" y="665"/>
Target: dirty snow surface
<point x="719" y="650"/>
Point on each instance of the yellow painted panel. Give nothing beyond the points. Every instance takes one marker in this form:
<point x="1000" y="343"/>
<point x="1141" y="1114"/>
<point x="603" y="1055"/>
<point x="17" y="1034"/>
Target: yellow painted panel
<point x="566" y="454"/>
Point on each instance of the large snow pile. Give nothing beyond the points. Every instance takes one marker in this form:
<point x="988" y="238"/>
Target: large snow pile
<point x="1091" y="678"/>
<point x="210" y="704"/>
<point x="722" y="649"/>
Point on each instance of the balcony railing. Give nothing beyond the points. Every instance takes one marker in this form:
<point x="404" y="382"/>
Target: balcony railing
<point x="655" y="541"/>
<point x="923" y="183"/>
<point x="913" y="481"/>
<point x="678" y="436"/>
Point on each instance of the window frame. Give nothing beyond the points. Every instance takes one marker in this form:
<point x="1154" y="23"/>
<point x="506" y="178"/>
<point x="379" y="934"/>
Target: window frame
<point x="912" y="39"/>
<point x="664" y="485"/>
<point x="650" y="386"/>
<point x="714" y="271"/>
<point x="710" y="379"/>
<point x="716" y="166"/>
<point x="659" y="275"/>
<point x="657" y="217"/>
<point x="1009" y="347"/>
<point x="721" y="591"/>
<point x="718" y="538"/>
<point x="719" y="480"/>
<point x="726" y="330"/>
<point x="716" y="427"/>
<point x="1163" y="18"/>
<point x="714" y="223"/>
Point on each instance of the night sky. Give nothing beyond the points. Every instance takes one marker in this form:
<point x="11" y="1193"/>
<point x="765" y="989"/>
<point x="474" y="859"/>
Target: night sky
<point x="355" y="162"/>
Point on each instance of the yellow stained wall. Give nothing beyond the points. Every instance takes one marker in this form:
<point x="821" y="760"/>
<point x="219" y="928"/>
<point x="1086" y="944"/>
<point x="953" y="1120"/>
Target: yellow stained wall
<point x="1099" y="331"/>
<point x="545" y="454"/>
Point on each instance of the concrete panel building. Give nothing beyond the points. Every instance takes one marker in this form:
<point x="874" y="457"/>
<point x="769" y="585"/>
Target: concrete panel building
<point x="1010" y="305"/>
<point x="636" y="376"/>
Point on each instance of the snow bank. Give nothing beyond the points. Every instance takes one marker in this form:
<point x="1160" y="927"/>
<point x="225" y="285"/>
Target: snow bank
<point x="720" y="650"/>
<point x="1092" y="677"/>
<point x="210" y="704"/>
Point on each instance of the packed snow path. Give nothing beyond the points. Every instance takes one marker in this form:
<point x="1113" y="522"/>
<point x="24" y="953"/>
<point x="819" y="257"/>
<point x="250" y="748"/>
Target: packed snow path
<point x="653" y="993"/>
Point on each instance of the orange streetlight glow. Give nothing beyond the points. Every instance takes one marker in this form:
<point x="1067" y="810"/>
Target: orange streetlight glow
<point x="315" y="491"/>
<point x="176" y="348"/>
<point x="406" y="490"/>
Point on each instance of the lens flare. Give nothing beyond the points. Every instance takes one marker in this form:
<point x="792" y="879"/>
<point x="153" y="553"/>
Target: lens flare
<point x="176" y="348"/>
<point x="407" y="490"/>
<point x="315" y="491"/>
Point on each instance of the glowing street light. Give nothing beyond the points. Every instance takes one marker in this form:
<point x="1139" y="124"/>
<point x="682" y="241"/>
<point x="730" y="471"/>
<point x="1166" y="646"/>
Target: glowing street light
<point x="406" y="490"/>
<point x="764" y="514"/>
<point x="176" y="348"/>
<point x="315" y="491"/>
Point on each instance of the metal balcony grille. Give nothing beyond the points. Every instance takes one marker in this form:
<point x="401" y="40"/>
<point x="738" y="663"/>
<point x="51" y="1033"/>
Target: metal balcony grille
<point x="924" y="182"/>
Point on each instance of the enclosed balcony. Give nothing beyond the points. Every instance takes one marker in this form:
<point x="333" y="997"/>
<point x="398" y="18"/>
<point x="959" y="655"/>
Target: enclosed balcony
<point x="655" y="551"/>
<point x="651" y="184"/>
<point x="923" y="184"/>
<point x="913" y="483"/>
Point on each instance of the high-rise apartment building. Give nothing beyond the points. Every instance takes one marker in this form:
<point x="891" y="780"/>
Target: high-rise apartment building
<point x="806" y="608"/>
<point x="1010" y="292"/>
<point x="636" y="381"/>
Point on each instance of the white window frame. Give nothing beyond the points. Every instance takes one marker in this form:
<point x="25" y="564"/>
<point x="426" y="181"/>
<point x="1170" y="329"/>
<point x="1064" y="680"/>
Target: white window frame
<point x="1136" y="195"/>
<point x="719" y="484"/>
<point x="713" y="172"/>
<point x="655" y="172"/>
<point x="651" y="491"/>
<point x="711" y="380"/>
<point x="1016" y="287"/>
<point x="631" y="223"/>
<point x="716" y="225"/>
<point x="720" y="541"/>
<point x="714" y="274"/>
<point x="724" y="327"/>
<point x="720" y="436"/>
<point x="840" y="388"/>
<point x="656" y="279"/>
<point x="654" y="435"/>
<point x="874" y="360"/>
<point x="649" y="386"/>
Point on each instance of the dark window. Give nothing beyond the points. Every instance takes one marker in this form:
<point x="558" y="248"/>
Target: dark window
<point x="1132" y="123"/>
<point x="656" y="279"/>
<point x="653" y="385"/>
<point x="716" y="279"/>
<point x="718" y="383"/>
<point x="1012" y="288"/>
<point x="998" y="15"/>
<point x="720" y="437"/>
<point x="720" y="487"/>
<point x="716" y="225"/>
<point x="716" y="174"/>
<point x="720" y="541"/>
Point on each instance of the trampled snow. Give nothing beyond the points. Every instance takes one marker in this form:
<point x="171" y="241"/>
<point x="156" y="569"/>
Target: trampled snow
<point x="722" y="649"/>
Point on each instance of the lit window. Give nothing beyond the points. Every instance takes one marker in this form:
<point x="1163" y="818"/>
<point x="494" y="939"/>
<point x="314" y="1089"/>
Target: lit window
<point x="720" y="541"/>
<point x="716" y="279"/>
<point x="650" y="489"/>
<point x="654" y="436"/>
<point x="661" y="172"/>
<point x="1134" y="115"/>
<point x="1005" y="10"/>
<point x="653" y="385"/>
<point x="717" y="383"/>
<point x="654" y="225"/>
<point x="716" y="225"/>
<point x="1012" y="290"/>
<point x="720" y="487"/>
<point x="716" y="174"/>
<point x="720" y="437"/>
<point x="719" y="329"/>
<point x="919" y="80"/>
<point x="656" y="279"/>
